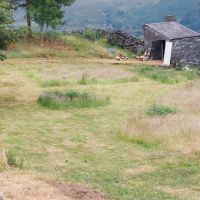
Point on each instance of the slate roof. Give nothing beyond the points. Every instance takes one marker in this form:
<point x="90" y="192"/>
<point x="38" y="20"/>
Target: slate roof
<point x="172" y="30"/>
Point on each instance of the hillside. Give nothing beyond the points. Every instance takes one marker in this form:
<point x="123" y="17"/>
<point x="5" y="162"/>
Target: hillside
<point x="127" y="15"/>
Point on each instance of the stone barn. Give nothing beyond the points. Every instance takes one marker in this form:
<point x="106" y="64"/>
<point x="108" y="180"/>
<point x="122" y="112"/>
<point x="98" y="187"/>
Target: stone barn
<point x="172" y="43"/>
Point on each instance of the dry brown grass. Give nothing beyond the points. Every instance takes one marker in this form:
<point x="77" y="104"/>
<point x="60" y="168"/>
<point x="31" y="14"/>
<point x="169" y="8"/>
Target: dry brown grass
<point x="186" y="99"/>
<point x="183" y="193"/>
<point x="140" y="170"/>
<point x="179" y="132"/>
<point x="92" y="71"/>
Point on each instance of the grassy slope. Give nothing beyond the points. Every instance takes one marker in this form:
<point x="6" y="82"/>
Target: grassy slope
<point x="65" y="46"/>
<point x="85" y="145"/>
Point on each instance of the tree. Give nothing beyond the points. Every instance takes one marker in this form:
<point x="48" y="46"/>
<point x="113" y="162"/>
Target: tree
<point x="47" y="13"/>
<point x="5" y="21"/>
<point x="28" y="5"/>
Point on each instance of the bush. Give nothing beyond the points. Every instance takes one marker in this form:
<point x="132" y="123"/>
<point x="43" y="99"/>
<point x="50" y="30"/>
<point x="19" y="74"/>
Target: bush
<point x="2" y="57"/>
<point x="160" y="110"/>
<point x="22" y="32"/>
<point x="71" y="99"/>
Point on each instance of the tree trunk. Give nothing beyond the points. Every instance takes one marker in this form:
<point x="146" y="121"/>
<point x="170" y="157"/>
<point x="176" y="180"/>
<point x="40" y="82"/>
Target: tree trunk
<point x="28" y="18"/>
<point x="42" y="35"/>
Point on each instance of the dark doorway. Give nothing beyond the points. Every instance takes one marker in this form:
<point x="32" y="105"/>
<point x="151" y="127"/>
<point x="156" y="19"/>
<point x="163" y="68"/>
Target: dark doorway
<point x="158" y="50"/>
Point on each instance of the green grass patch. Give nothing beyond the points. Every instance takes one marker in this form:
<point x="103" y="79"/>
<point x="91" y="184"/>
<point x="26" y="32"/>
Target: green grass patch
<point x="54" y="83"/>
<point x="167" y="76"/>
<point x="13" y="160"/>
<point x="160" y="110"/>
<point x="192" y="74"/>
<point x="127" y="79"/>
<point x="148" y="144"/>
<point x="71" y="99"/>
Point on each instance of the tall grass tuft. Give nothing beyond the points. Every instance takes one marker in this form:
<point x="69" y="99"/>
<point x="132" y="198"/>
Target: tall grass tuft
<point x="86" y="80"/>
<point x="71" y="99"/>
<point x="160" y="110"/>
<point x="166" y="76"/>
<point x="158" y="74"/>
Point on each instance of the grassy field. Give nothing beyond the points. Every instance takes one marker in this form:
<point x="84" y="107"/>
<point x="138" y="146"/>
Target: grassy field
<point x="117" y="148"/>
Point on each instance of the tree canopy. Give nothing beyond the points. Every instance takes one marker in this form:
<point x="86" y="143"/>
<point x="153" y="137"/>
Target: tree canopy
<point x="5" y="21"/>
<point x="47" y="13"/>
<point x="44" y="12"/>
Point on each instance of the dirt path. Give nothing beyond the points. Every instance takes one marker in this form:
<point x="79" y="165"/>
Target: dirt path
<point x="82" y="60"/>
<point x="18" y="186"/>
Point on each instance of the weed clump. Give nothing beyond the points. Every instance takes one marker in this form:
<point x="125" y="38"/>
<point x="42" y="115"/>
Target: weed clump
<point x="12" y="160"/>
<point x="85" y="80"/>
<point x="160" y="110"/>
<point x="71" y="99"/>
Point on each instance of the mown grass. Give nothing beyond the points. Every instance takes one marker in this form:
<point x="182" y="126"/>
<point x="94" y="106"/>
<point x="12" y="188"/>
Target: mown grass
<point x="85" y="145"/>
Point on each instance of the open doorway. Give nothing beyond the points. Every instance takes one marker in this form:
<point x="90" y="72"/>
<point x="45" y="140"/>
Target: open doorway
<point x="158" y="50"/>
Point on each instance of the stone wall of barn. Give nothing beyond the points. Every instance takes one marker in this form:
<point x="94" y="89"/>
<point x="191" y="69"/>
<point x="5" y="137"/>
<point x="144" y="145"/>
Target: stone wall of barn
<point x="186" y="51"/>
<point x="149" y="36"/>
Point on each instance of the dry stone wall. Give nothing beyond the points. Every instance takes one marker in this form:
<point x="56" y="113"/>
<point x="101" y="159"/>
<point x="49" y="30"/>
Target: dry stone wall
<point x="124" y="40"/>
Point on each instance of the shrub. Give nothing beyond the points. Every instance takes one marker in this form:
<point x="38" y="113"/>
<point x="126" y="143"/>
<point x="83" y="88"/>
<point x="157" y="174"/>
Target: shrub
<point x="22" y="32"/>
<point x="71" y="99"/>
<point x="160" y="110"/>
<point x="2" y="56"/>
